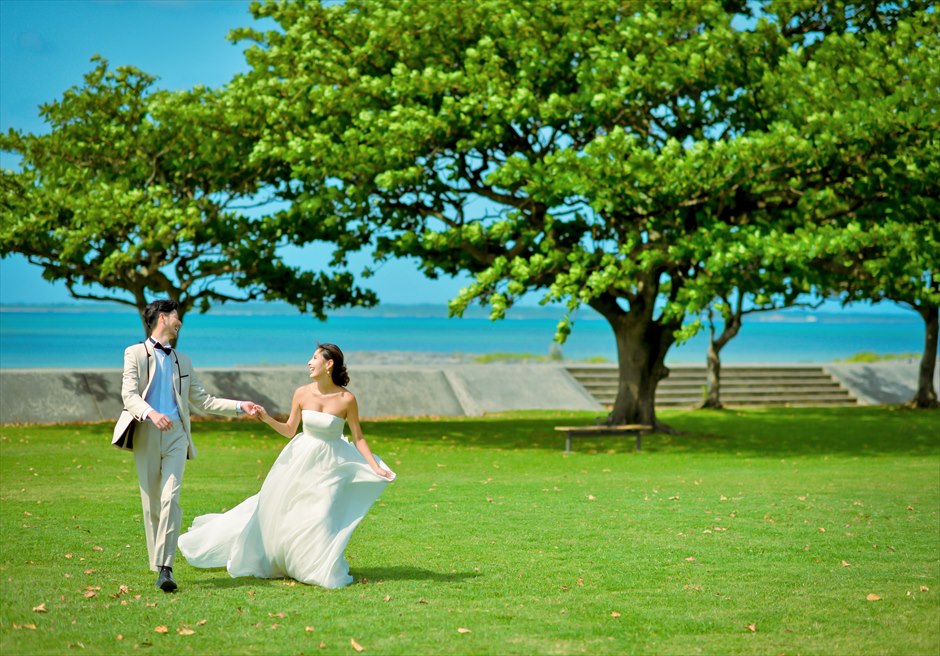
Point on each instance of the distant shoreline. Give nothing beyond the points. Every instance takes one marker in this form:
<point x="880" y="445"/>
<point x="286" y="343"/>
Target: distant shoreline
<point x="440" y="311"/>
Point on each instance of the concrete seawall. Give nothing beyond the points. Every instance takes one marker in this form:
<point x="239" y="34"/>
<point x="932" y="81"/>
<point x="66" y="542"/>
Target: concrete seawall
<point x="64" y="395"/>
<point x="61" y="395"/>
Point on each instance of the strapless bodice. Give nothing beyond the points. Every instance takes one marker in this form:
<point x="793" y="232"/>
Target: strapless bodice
<point x="322" y="426"/>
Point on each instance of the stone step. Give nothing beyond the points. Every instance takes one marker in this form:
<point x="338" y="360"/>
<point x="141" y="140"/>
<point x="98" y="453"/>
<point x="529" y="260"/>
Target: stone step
<point x="731" y="389"/>
<point x="799" y="385"/>
<point x="730" y="383"/>
<point x="612" y="374"/>
<point x="741" y="398"/>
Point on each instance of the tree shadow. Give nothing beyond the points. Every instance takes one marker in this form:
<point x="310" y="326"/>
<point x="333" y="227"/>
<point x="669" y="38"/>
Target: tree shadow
<point x="778" y="431"/>
<point x="771" y="432"/>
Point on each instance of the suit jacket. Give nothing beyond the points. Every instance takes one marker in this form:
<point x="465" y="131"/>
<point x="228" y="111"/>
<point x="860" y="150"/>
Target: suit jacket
<point x="139" y="364"/>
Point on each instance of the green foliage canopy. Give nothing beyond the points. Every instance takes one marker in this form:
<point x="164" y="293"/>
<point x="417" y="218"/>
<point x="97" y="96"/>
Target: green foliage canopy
<point x="144" y="192"/>
<point x="625" y="155"/>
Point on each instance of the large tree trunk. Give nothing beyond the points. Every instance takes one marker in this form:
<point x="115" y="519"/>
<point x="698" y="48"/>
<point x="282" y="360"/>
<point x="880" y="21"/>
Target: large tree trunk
<point x="642" y="344"/>
<point x="713" y="357"/>
<point x="926" y="396"/>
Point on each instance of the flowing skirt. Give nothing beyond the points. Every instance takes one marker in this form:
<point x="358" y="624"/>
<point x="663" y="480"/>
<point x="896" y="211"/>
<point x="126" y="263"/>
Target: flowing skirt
<point x="300" y="522"/>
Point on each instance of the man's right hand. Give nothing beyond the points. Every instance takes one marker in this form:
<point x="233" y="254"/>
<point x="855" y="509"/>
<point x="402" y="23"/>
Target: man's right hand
<point x="161" y="421"/>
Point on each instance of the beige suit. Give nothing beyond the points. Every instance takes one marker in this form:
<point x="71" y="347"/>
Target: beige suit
<point x="160" y="457"/>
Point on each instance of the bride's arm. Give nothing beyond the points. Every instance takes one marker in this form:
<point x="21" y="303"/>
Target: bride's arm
<point x="352" y="418"/>
<point x="288" y="428"/>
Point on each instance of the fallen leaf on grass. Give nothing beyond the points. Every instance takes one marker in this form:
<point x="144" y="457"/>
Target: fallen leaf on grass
<point x="162" y="629"/>
<point x="201" y="622"/>
<point x="68" y="555"/>
<point x="184" y="631"/>
<point x="387" y="598"/>
<point x="356" y="645"/>
<point x="308" y="629"/>
<point x="282" y="615"/>
<point x="120" y="637"/>
<point x="691" y="559"/>
<point x="924" y="588"/>
<point x="591" y="497"/>
<point x="822" y="530"/>
<point x="614" y="613"/>
<point x="463" y="630"/>
<point x="873" y="597"/>
<point x="90" y="593"/>
<point x="845" y="563"/>
<point x="422" y="600"/>
<point x="89" y="571"/>
<point x="97" y="548"/>
<point x="751" y="627"/>
<point x="31" y="627"/>
<point x="41" y="608"/>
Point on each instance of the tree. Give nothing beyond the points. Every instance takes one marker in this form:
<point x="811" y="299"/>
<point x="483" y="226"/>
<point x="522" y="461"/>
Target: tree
<point x="136" y="192"/>
<point x="882" y="92"/>
<point x="895" y="261"/>
<point x="594" y="152"/>
<point x="732" y="310"/>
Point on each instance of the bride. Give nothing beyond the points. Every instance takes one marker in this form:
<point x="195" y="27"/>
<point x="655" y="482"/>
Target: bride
<point x="318" y="490"/>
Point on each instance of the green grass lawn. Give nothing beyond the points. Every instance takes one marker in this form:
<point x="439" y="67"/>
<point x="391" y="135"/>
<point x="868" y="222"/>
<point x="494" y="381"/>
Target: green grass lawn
<point x="780" y="531"/>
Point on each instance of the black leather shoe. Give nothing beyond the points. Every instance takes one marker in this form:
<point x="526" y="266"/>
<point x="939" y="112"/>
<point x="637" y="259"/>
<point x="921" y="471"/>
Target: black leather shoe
<point x="165" y="581"/>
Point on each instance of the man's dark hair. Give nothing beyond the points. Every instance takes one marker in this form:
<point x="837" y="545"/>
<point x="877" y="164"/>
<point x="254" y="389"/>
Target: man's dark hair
<point x="156" y="308"/>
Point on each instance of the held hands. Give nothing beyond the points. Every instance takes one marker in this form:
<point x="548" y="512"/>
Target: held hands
<point x="251" y="409"/>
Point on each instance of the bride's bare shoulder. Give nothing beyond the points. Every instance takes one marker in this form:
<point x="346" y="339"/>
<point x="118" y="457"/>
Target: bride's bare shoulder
<point x="303" y="390"/>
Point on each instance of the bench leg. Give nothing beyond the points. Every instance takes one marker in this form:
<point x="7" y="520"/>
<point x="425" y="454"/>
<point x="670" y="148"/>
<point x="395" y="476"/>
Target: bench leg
<point x="567" y="442"/>
<point x="638" y="439"/>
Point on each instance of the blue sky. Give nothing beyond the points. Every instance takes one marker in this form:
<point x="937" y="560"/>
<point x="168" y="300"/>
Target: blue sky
<point x="46" y="47"/>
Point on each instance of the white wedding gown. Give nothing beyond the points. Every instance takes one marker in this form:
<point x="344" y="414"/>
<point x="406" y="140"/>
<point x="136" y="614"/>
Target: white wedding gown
<point x="298" y="525"/>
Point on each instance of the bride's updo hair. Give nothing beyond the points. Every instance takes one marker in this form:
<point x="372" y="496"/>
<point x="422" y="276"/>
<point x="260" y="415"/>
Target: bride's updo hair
<point x="333" y="353"/>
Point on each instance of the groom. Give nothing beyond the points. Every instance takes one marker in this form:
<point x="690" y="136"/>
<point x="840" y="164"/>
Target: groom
<point x="158" y="386"/>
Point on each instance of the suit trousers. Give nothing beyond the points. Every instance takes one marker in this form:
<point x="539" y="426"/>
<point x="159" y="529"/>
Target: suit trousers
<point x="160" y="458"/>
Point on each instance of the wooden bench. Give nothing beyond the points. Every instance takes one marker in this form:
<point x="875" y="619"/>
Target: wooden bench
<point x="589" y="431"/>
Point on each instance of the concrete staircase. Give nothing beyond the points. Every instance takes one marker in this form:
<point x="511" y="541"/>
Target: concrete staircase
<point x="787" y="385"/>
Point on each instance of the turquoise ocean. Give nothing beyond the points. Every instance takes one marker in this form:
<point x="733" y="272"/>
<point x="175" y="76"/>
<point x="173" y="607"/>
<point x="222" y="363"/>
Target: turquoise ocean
<point x="82" y="336"/>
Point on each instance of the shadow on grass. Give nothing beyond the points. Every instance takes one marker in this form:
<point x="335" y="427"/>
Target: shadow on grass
<point x="772" y="432"/>
<point x="862" y="431"/>
<point x="218" y="578"/>
<point x="375" y="574"/>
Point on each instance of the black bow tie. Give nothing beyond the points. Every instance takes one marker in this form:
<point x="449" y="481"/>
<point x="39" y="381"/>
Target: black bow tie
<point x="165" y="349"/>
